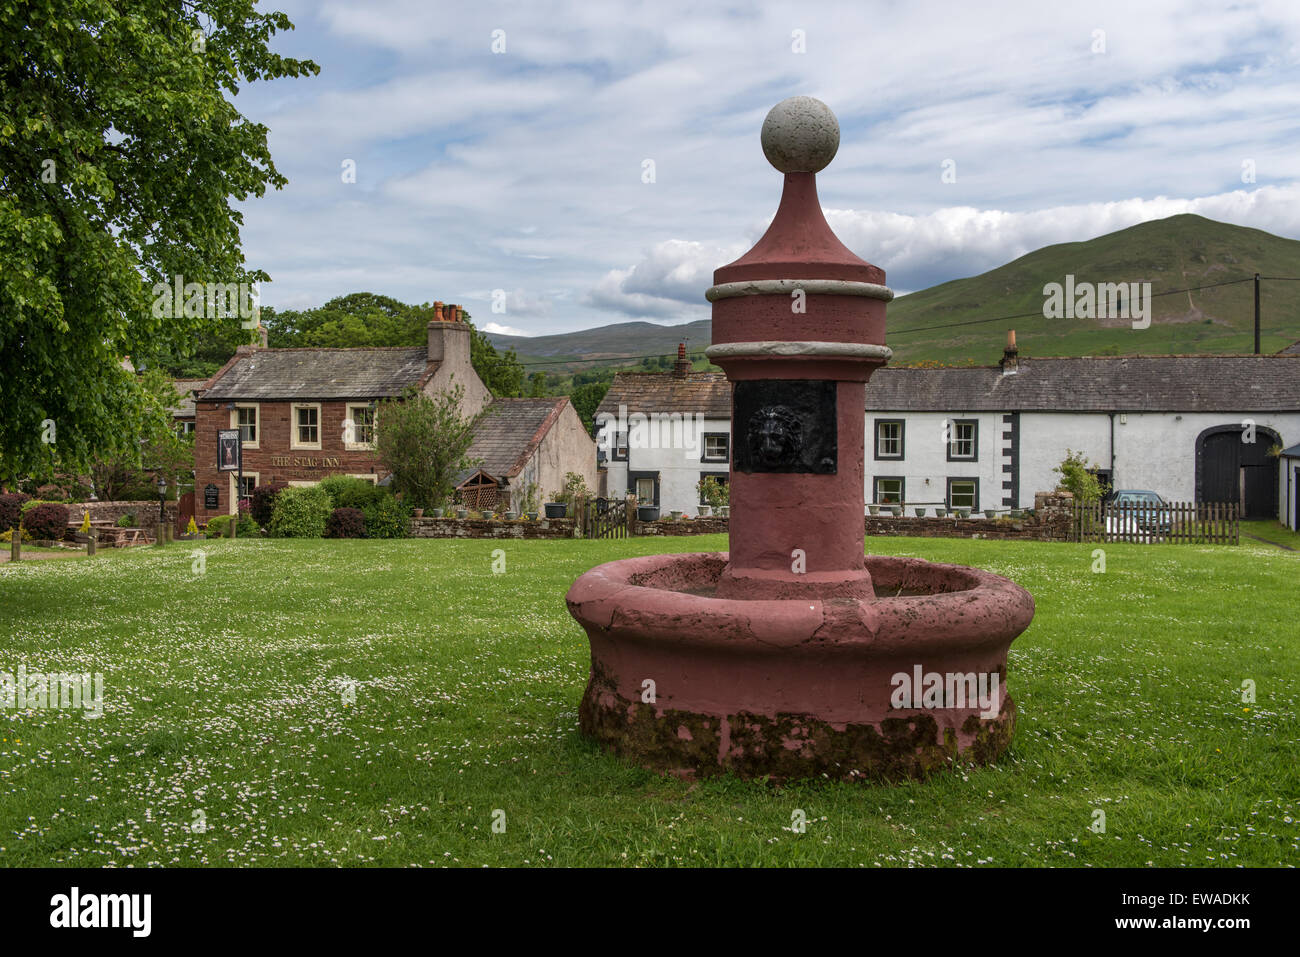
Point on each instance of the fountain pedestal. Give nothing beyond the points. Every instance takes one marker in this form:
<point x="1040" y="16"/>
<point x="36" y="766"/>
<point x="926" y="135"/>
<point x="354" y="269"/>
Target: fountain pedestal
<point x="783" y="657"/>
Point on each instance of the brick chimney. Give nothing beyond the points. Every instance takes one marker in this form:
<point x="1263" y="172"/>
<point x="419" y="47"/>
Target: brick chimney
<point x="682" y="367"/>
<point x="1010" y="355"/>
<point x="449" y="335"/>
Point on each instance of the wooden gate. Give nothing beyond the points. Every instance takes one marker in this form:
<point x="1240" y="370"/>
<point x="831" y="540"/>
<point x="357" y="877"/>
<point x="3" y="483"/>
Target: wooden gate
<point x="184" y="512"/>
<point x="605" y="519"/>
<point x="1191" y="523"/>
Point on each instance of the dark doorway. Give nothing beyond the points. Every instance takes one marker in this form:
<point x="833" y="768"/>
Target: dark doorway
<point x="1230" y="469"/>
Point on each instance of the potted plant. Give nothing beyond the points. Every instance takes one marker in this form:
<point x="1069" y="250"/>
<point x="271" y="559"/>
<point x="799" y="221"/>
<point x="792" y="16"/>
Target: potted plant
<point x="418" y="513"/>
<point x="705" y="510"/>
<point x="941" y="511"/>
<point x="511" y="515"/>
<point x="532" y="516"/>
<point x="556" y="509"/>
<point x="647" y="513"/>
<point x="724" y="511"/>
<point x="963" y="513"/>
<point x="990" y="513"/>
<point x="920" y="512"/>
<point x="488" y="514"/>
<point x="873" y="509"/>
<point x="439" y="512"/>
<point x="191" y="531"/>
<point x="896" y="510"/>
<point x="675" y="513"/>
<point x="462" y="513"/>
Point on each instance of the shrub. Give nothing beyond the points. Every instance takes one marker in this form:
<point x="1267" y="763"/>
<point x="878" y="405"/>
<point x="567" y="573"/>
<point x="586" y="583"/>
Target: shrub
<point x="11" y="508"/>
<point x="7" y="535"/>
<point x="387" y="518"/>
<point x="348" y="492"/>
<point x="85" y="523"/>
<point x="47" y="521"/>
<point x="301" y="512"/>
<point x="346" y="523"/>
<point x="1077" y="477"/>
<point x="219" y="526"/>
<point x="262" y="504"/>
<point x="126" y="521"/>
<point x="191" y="528"/>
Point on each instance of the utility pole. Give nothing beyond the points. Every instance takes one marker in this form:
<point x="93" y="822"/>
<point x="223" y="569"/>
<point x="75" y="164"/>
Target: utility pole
<point x="1256" y="313"/>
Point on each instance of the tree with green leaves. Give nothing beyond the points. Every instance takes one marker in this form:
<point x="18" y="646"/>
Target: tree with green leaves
<point x="368" y="319"/>
<point x="1079" y="478"/>
<point x="121" y="158"/>
<point x="586" y="399"/>
<point x="424" y="442"/>
<point x="160" y="448"/>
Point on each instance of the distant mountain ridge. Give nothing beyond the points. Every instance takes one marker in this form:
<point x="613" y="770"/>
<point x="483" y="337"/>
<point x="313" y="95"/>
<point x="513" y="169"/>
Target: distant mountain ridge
<point x="961" y="321"/>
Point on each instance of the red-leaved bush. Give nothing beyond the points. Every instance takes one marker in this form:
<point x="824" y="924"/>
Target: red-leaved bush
<point x="48" y="521"/>
<point x="346" y="523"/>
<point x="10" y="508"/>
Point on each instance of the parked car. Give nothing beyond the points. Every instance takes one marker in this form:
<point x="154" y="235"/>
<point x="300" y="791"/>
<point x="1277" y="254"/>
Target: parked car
<point x="1142" y="508"/>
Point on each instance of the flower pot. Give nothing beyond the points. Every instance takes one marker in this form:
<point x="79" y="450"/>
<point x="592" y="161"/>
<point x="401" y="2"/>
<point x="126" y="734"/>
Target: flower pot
<point x="439" y="512"/>
<point x="1016" y="513"/>
<point x="511" y="516"/>
<point x="940" y="512"/>
<point x="920" y="512"/>
<point x="419" y="513"/>
<point x="556" y="509"/>
<point x="647" y="513"/>
<point x="705" y="510"/>
<point x="990" y="513"/>
<point x="462" y="513"/>
<point x="676" y="514"/>
<point x="873" y="509"/>
<point x="488" y="514"/>
<point x="724" y="511"/>
<point x="963" y="513"/>
<point x="532" y="516"/>
<point x="895" y="510"/>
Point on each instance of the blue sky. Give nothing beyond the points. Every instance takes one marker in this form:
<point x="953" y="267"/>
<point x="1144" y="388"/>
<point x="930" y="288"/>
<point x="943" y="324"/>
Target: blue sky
<point x="523" y="170"/>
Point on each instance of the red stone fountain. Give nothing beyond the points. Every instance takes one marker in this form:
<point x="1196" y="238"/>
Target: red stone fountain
<point x="795" y="654"/>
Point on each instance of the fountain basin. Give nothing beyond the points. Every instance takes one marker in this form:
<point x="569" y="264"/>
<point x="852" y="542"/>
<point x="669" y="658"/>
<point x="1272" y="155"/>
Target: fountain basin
<point x="690" y="684"/>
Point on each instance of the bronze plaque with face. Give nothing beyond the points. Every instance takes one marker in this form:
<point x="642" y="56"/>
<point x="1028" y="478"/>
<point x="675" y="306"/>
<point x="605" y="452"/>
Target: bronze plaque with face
<point x="784" y="425"/>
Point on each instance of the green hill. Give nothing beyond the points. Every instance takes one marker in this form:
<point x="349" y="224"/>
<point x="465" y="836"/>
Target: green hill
<point x="961" y="321"/>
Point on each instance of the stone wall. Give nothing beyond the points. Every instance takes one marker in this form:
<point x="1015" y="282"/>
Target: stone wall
<point x="146" y="513"/>
<point x="480" y="528"/>
<point x="695" y="526"/>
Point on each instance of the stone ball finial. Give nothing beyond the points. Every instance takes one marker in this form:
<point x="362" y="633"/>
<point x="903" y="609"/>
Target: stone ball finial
<point x="800" y="135"/>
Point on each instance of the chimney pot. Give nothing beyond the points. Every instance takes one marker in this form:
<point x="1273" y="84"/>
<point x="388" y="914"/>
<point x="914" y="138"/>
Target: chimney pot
<point x="1010" y="355"/>
<point x="682" y="367"/>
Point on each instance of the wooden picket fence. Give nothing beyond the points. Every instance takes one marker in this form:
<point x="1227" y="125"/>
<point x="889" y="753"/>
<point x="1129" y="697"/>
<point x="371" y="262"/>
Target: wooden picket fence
<point x="1191" y="523"/>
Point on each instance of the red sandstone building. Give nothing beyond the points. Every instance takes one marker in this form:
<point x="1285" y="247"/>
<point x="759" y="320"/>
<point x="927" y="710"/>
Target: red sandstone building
<point x="305" y="414"/>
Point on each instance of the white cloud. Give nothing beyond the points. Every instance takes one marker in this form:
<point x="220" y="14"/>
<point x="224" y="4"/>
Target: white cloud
<point x="504" y="330"/>
<point x="522" y="171"/>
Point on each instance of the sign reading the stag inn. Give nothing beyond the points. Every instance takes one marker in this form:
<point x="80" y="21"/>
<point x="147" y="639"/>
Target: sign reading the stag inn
<point x="305" y="462"/>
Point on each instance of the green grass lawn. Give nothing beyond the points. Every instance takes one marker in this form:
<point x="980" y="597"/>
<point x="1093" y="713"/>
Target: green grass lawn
<point x="225" y="704"/>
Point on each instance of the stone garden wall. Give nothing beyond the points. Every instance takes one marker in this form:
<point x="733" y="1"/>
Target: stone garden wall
<point x="480" y="528"/>
<point x="146" y="513"/>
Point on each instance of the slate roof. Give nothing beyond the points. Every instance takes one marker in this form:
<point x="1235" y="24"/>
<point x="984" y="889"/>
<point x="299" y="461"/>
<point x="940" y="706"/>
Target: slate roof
<point x="1292" y="350"/>
<point x="269" y="374"/>
<point x="706" y="392"/>
<point x="1267" y="383"/>
<point x="184" y="409"/>
<point x="508" y="433"/>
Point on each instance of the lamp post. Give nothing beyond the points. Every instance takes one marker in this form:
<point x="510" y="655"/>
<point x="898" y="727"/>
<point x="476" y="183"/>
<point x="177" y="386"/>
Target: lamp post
<point x="162" y="506"/>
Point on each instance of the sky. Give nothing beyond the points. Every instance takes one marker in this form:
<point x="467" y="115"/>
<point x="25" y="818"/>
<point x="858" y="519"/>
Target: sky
<point x="555" y="166"/>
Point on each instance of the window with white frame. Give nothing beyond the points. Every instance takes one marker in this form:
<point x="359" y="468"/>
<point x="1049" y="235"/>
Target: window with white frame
<point x="963" y="444"/>
<point x="717" y="447"/>
<point x="362" y="435"/>
<point x="306" y="427"/>
<point x="889" y="438"/>
<point x="889" y="490"/>
<point x="245" y="418"/>
<point x="963" y="493"/>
